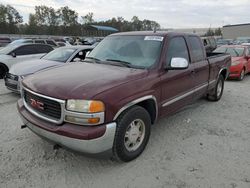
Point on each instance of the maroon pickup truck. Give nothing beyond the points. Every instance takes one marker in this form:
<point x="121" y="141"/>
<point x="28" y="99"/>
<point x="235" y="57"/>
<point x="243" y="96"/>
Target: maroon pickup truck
<point x="130" y="80"/>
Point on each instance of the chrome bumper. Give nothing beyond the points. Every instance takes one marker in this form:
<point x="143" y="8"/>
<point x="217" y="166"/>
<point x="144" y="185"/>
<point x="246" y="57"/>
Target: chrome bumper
<point x="93" y="146"/>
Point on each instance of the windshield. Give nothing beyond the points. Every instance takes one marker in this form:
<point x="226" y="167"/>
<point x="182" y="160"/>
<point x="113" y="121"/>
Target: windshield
<point x="137" y="51"/>
<point x="59" y="54"/>
<point x="9" y="48"/>
<point x="233" y="51"/>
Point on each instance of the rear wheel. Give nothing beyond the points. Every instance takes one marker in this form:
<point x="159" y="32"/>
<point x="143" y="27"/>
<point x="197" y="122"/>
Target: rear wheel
<point x="132" y="134"/>
<point x="242" y="74"/>
<point x="217" y="92"/>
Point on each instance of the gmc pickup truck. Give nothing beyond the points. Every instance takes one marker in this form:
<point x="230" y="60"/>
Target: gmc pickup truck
<point x="108" y="104"/>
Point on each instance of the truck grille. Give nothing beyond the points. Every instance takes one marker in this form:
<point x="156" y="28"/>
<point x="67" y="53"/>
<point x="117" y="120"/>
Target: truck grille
<point x="50" y="109"/>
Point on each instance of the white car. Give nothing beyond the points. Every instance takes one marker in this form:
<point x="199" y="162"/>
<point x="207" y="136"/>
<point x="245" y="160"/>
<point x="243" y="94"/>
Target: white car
<point x="13" y="54"/>
<point x="57" y="57"/>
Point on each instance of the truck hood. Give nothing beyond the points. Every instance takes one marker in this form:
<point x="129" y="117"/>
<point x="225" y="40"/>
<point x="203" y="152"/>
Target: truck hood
<point x="80" y="80"/>
<point x="32" y="66"/>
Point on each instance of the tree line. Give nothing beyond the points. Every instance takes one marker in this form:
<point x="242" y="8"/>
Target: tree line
<point x="64" y="21"/>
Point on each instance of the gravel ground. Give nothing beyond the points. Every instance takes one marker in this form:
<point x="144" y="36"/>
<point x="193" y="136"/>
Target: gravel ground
<point x="205" y="145"/>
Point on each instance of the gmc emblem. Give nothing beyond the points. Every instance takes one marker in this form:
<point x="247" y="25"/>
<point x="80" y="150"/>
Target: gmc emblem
<point x="36" y="104"/>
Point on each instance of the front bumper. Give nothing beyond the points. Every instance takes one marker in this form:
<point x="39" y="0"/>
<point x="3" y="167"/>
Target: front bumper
<point x="90" y="140"/>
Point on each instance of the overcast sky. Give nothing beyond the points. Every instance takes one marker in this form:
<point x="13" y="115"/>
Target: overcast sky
<point x="168" y="13"/>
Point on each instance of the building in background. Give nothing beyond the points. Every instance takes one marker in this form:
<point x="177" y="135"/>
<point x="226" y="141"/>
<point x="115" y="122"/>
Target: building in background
<point x="236" y="31"/>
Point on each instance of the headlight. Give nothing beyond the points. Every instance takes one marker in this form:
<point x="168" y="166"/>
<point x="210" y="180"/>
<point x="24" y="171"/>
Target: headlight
<point x="236" y="63"/>
<point x="85" y="106"/>
<point x="85" y="112"/>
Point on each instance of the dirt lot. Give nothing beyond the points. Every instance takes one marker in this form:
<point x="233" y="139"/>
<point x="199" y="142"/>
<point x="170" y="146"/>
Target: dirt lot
<point x="205" y="145"/>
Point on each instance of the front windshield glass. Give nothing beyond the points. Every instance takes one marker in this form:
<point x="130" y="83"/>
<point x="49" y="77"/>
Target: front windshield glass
<point x="60" y="54"/>
<point x="233" y="51"/>
<point x="137" y="51"/>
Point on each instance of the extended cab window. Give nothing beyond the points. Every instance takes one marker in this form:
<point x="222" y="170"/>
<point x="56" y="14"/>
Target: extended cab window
<point x="177" y="48"/>
<point x="196" y="49"/>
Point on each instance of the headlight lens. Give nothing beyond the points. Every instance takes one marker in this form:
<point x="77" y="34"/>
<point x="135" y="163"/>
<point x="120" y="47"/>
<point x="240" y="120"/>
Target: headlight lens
<point x="86" y="106"/>
<point x="236" y="63"/>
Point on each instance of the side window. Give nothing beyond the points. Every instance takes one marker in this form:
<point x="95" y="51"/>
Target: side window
<point x="39" y="41"/>
<point x="196" y="49"/>
<point x="41" y="49"/>
<point x="177" y="48"/>
<point x="50" y="43"/>
<point x="25" y="50"/>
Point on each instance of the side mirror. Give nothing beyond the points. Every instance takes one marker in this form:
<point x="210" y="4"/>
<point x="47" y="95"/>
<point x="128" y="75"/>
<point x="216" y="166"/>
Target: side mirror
<point x="178" y="63"/>
<point x="87" y="53"/>
<point x="248" y="57"/>
<point x="13" y="54"/>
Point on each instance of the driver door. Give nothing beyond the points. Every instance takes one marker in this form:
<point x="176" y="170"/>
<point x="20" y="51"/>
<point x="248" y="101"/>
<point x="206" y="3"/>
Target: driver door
<point x="176" y="85"/>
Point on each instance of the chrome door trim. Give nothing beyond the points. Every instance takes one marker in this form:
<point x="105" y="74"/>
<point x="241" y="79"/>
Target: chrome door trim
<point x="175" y="99"/>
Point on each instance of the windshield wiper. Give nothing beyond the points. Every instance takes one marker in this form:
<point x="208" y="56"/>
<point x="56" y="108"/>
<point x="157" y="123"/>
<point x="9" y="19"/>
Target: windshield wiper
<point x="124" y="63"/>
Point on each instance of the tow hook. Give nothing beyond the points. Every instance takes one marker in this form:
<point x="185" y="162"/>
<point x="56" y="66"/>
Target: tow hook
<point x="23" y="126"/>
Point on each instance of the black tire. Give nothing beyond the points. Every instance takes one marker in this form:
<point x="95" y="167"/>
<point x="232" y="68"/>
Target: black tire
<point x="120" y="151"/>
<point x="2" y="71"/>
<point x="216" y="93"/>
<point x="242" y="75"/>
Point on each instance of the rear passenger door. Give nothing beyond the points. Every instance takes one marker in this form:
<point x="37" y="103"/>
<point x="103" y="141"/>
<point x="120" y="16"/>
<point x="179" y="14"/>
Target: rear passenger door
<point x="23" y="53"/>
<point x="176" y="85"/>
<point x="200" y="65"/>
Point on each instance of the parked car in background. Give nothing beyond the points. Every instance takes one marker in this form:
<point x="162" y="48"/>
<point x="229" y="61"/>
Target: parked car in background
<point x="15" y="53"/>
<point x="66" y="43"/>
<point x="108" y="104"/>
<point x="221" y="42"/>
<point x="209" y="43"/>
<point x="54" y="58"/>
<point x="4" y="41"/>
<point x="240" y="60"/>
<point x="240" y="40"/>
<point x="50" y="42"/>
<point x="69" y="39"/>
<point x="246" y="44"/>
<point x="89" y="41"/>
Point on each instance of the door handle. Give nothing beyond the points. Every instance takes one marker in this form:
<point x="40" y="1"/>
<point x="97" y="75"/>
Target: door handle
<point x="193" y="72"/>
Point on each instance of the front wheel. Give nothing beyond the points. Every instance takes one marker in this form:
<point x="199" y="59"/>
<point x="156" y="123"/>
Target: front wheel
<point x="217" y="92"/>
<point x="132" y="134"/>
<point x="242" y="75"/>
<point x="2" y="71"/>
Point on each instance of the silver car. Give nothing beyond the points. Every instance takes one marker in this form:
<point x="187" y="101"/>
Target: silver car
<point x="14" y="53"/>
<point x="57" y="57"/>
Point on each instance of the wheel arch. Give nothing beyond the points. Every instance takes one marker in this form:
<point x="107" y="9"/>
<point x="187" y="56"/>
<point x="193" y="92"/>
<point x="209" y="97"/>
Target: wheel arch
<point x="6" y="68"/>
<point x="148" y="102"/>
<point x="224" y="72"/>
